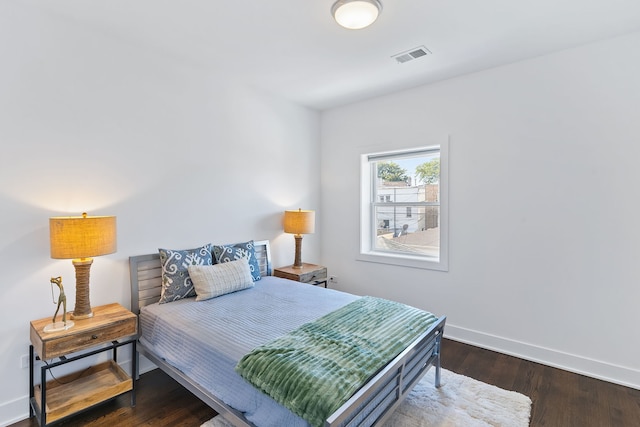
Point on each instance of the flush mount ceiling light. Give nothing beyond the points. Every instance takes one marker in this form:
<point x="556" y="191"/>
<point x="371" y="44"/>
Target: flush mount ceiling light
<point x="356" y="14"/>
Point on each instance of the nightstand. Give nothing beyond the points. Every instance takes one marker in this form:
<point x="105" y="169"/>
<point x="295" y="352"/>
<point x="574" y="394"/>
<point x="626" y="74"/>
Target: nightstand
<point x="111" y="326"/>
<point x="309" y="273"/>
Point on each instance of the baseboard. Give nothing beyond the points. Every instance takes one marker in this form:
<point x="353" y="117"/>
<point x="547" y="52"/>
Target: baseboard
<point x="145" y="365"/>
<point x="625" y="376"/>
<point x="13" y="411"/>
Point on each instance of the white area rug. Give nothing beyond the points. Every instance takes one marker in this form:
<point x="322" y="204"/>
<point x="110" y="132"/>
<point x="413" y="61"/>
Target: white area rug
<point x="460" y="402"/>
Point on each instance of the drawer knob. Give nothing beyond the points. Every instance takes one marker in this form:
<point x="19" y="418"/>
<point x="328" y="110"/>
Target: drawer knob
<point x="94" y="337"/>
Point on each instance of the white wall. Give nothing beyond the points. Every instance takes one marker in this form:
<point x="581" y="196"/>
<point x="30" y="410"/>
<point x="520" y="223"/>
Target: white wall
<point x="180" y="155"/>
<point x="544" y="228"/>
<point x="543" y="259"/>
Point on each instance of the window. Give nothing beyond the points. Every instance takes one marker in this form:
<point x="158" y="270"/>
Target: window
<point x="404" y="207"/>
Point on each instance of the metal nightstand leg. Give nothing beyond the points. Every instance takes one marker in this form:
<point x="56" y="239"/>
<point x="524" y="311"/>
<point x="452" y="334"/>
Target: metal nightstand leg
<point x="31" y="393"/>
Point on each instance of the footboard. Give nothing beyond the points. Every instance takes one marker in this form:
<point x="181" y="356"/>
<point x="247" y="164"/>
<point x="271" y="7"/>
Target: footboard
<point x="377" y="400"/>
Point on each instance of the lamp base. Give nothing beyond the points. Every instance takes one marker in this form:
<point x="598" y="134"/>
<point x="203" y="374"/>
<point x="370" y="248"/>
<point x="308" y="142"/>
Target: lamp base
<point x="59" y="326"/>
<point x="80" y="316"/>
<point x="82" y="309"/>
<point x="297" y="263"/>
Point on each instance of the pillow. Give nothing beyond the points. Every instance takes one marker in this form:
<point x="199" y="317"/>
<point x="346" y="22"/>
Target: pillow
<point x="176" y="283"/>
<point x="226" y="253"/>
<point x="211" y="281"/>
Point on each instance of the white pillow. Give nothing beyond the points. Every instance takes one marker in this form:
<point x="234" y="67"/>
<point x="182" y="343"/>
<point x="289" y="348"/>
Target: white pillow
<point x="211" y="281"/>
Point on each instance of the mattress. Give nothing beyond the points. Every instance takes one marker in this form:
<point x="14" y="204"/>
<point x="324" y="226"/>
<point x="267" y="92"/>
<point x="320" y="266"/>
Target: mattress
<point x="206" y="339"/>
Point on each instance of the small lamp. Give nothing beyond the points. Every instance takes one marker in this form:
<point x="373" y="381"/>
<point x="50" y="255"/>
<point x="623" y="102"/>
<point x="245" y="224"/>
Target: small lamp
<point x="79" y="238"/>
<point x="356" y="14"/>
<point x="299" y="222"/>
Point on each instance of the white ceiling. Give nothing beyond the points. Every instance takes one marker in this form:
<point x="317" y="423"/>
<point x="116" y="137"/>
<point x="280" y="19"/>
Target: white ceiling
<point x="294" y="49"/>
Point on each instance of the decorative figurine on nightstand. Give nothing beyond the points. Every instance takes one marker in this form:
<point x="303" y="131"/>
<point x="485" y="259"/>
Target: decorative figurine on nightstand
<point x="62" y="300"/>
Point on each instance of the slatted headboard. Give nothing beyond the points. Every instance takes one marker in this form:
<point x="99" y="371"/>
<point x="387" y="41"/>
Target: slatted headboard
<point x="146" y="275"/>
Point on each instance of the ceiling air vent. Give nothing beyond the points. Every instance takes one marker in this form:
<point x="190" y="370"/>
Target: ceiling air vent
<point x="411" y="54"/>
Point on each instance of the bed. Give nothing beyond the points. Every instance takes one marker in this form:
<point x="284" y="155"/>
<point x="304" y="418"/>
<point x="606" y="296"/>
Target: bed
<point x="221" y="330"/>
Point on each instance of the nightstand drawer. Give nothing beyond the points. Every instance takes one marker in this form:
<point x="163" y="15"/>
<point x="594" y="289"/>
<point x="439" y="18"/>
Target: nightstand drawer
<point x="86" y="339"/>
<point x="110" y="322"/>
<point x="314" y="275"/>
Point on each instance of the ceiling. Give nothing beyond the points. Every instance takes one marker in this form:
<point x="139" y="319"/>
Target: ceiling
<point x="294" y="49"/>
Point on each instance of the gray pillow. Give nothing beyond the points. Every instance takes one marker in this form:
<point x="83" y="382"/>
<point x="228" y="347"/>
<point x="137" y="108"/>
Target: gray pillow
<point x="176" y="283"/>
<point x="226" y="253"/>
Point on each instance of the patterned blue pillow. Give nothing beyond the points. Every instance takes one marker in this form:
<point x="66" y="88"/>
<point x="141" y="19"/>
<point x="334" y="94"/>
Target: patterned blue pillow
<point x="176" y="283"/>
<point x="226" y="253"/>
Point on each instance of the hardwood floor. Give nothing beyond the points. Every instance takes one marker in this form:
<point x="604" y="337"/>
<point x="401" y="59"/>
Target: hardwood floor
<point x="560" y="398"/>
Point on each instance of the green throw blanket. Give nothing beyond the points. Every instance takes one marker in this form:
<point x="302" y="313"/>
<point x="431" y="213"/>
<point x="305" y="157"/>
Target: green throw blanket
<point x="316" y="368"/>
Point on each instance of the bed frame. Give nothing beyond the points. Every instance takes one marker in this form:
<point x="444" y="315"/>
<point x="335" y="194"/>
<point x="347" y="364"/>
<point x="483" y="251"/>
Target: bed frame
<point x="369" y="406"/>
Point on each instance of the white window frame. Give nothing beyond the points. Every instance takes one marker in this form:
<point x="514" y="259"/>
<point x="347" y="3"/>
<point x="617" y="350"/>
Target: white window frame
<point x="367" y="231"/>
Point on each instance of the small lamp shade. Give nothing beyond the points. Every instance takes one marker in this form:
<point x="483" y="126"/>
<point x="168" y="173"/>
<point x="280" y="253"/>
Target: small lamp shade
<point x="299" y="222"/>
<point x="79" y="238"/>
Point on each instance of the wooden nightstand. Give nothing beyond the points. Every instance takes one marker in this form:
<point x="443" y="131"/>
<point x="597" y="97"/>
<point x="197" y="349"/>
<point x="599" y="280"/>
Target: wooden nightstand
<point x="56" y="399"/>
<point x="309" y="273"/>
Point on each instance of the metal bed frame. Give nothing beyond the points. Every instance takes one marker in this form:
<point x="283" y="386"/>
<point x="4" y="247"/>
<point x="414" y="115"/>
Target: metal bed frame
<point x="369" y="406"/>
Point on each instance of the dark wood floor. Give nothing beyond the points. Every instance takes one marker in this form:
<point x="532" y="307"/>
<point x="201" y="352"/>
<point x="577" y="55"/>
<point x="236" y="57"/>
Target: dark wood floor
<point x="560" y="398"/>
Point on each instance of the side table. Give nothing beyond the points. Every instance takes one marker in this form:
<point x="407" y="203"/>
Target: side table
<point x="111" y="326"/>
<point x="309" y="273"/>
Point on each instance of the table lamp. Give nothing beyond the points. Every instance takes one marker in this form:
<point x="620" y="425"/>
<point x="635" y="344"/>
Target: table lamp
<point x="79" y="238"/>
<point x="298" y="223"/>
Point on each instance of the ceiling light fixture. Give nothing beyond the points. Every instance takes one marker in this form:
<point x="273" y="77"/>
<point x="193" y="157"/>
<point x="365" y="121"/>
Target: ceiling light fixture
<point x="356" y="14"/>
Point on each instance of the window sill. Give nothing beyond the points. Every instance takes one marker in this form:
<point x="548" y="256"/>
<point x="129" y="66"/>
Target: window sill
<point x="403" y="261"/>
